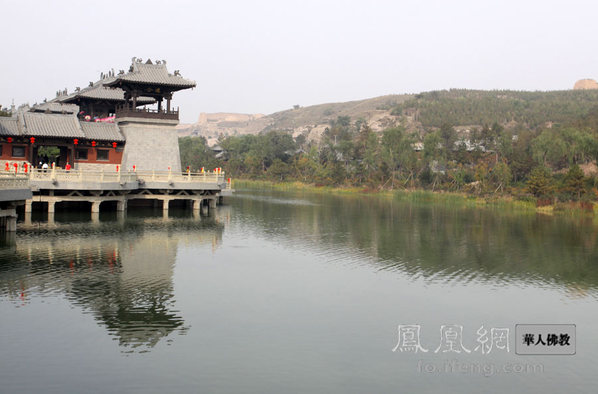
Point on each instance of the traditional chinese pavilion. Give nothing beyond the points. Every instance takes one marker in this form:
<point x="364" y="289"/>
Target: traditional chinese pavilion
<point x="118" y="120"/>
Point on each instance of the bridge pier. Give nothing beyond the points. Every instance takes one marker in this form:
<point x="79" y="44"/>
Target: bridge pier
<point x="9" y="219"/>
<point x="11" y="223"/>
<point x="165" y="203"/>
<point x="196" y="204"/>
<point x="95" y="206"/>
<point x="121" y="205"/>
<point x="28" y="204"/>
<point x="51" y="206"/>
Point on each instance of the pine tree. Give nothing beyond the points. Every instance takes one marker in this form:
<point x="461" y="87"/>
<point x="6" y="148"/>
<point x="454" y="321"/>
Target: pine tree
<point x="539" y="182"/>
<point x="574" y="184"/>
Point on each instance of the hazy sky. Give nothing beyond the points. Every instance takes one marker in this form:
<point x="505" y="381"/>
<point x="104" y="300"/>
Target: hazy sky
<point x="265" y="56"/>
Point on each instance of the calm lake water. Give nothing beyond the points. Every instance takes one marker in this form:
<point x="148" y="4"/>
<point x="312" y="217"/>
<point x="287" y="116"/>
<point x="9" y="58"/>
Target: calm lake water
<point x="294" y="293"/>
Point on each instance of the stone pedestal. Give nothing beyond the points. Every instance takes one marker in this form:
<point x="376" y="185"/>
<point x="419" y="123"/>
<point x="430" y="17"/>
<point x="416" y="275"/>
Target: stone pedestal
<point x="152" y="144"/>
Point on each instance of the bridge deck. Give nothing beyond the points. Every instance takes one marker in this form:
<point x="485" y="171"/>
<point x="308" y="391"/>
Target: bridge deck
<point x="14" y="191"/>
<point x="51" y="186"/>
<point x="124" y="181"/>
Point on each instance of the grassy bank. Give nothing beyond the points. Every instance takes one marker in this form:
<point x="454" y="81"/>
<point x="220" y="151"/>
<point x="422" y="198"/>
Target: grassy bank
<point x="506" y="203"/>
<point x="419" y="196"/>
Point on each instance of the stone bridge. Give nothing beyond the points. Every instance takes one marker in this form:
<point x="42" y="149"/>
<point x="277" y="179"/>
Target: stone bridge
<point x="52" y="186"/>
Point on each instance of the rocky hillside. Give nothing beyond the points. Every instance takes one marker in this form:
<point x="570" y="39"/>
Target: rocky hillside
<point x="463" y="109"/>
<point x="310" y="121"/>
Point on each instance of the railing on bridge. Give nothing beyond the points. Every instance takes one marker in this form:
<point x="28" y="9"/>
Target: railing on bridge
<point x="81" y="176"/>
<point x="11" y="180"/>
<point x="161" y="176"/>
<point x="60" y="175"/>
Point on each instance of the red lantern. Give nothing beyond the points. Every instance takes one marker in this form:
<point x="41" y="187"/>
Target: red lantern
<point x="9" y="139"/>
<point x="114" y="145"/>
<point x="76" y="141"/>
<point x="134" y="167"/>
<point x="7" y="166"/>
<point x="117" y="168"/>
<point x="32" y="139"/>
<point x="93" y="143"/>
<point x="26" y="167"/>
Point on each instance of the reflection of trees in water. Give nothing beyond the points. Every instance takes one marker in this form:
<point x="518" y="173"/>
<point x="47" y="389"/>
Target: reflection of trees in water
<point x="122" y="276"/>
<point x="440" y="242"/>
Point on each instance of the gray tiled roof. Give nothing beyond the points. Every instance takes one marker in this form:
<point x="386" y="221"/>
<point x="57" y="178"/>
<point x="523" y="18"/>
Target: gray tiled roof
<point x="9" y="126"/>
<point x="56" y="107"/>
<point x="39" y="124"/>
<point x="100" y="92"/>
<point x="50" y="125"/>
<point x="153" y="74"/>
<point x="101" y="131"/>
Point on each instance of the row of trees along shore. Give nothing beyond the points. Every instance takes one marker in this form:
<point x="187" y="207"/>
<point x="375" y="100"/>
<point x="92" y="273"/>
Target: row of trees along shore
<point x="542" y="164"/>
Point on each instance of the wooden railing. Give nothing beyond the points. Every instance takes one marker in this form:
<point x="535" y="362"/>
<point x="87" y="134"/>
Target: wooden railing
<point x="125" y="111"/>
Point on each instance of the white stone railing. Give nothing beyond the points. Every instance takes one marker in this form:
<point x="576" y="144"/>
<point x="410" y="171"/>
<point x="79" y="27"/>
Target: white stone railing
<point x="60" y="175"/>
<point x="159" y="176"/>
<point x="81" y="176"/>
<point x="10" y="180"/>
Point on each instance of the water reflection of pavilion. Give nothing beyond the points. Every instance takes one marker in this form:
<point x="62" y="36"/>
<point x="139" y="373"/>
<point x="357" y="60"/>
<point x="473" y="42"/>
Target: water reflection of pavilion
<point x="121" y="274"/>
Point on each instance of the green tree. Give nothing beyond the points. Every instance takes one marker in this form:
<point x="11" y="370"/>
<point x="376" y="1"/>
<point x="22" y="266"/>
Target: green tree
<point x="540" y="182"/>
<point x="396" y="153"/>
<point x="574" y="182"/>
<point x="501" y="176"/>
<point x="196" y="154"/>
<point x="549" y="148"/>
<point x="448" y="137"/>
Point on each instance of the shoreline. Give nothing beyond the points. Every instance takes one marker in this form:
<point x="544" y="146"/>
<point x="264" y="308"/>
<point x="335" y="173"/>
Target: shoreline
<point x="427" y="196"/>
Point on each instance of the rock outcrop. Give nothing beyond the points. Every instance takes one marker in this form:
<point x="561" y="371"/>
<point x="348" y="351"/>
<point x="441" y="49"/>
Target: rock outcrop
<point x="583" y="84"/>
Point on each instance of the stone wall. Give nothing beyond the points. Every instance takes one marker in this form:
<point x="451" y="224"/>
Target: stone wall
<point x="151" y="145"/>
<point x="107" y="167"/>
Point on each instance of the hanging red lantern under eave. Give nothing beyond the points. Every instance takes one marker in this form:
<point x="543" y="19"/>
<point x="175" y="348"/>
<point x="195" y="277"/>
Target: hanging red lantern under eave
<point x="32" y="140"/>
<point x="93" y="143"/>
<point x="114" y="145"/>
<point x="76" y="141"/>
<point x="9" y="140"/>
